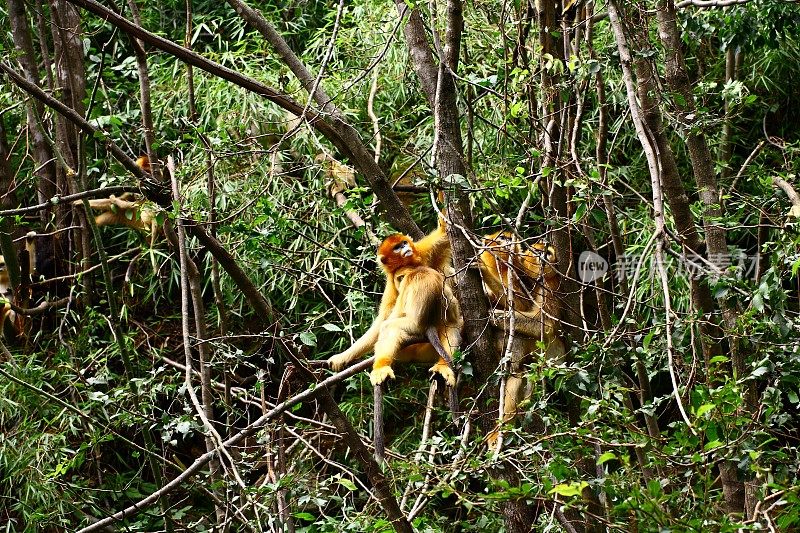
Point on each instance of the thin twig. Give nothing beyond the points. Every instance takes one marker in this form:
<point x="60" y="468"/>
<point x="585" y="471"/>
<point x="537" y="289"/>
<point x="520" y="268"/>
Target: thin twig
<point x="376" y="127"/>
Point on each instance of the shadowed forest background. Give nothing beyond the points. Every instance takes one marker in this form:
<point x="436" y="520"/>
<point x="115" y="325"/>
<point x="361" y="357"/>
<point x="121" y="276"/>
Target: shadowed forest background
<point x="163" y="357"/>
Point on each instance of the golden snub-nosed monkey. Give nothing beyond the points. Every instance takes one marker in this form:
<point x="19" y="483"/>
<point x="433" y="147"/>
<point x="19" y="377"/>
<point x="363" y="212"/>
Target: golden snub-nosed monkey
<point x="126" y="209"/>
<point x="528" y="275"/>
<point x="415" y="299"/>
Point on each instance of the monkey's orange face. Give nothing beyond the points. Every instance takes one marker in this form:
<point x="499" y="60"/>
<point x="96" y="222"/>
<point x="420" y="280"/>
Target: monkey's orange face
<point x="501" y="245"/>
<point x="540" y="260"/>
<point x="144" y="163"/>
<point x="398" y="251"/>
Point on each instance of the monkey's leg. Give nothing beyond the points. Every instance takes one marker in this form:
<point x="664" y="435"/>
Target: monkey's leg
<point x="446" y="366"/>
<point x="529" y="323"/>
<point x="8" y="323"/>
<point x="515" y="394"/>
<point x="556" y="351"/>
<point x="419" y="352"/>
<point x="394" y="335"/>
<point x="359" y="348"/>
<point x="107" y="218"/>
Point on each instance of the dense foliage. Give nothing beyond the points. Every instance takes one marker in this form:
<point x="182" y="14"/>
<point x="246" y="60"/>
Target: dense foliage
<point x="644" y="427"/>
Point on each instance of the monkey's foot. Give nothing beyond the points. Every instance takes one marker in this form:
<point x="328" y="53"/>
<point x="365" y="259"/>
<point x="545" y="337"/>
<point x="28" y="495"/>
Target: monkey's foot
<point x="338" y="362"/>
<point x="381" y="374"/>
<point x="446" y="372"/>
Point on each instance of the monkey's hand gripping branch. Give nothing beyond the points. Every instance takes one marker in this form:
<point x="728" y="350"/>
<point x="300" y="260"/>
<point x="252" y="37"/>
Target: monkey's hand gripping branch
<point x="446" y="371"/>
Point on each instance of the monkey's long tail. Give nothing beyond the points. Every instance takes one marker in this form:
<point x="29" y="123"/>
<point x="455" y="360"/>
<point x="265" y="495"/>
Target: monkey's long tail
<point x="452" y="396"/>
<point x="433" y="337"/>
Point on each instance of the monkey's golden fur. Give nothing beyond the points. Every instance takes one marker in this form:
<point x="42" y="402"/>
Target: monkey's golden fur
<point x="416" y="297"/>
<point x="535" y="306"/>
<point x="124" y="211"/>
<point x="5" y="280"/>
<point x="10" y="325"/>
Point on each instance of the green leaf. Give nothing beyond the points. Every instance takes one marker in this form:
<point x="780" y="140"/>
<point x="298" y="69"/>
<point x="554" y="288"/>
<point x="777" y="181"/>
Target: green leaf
<point x="792" y="395"/>
<point x="648" y="339"/>
<point x="331" y="327"/>
<point x="703" y="409"/>
<point x="349" y="485"/>
<point x="308" y="338"/>
<point x="569" y="489"/>
<point x="758" y="302"/>
<point x="607" y="456"/>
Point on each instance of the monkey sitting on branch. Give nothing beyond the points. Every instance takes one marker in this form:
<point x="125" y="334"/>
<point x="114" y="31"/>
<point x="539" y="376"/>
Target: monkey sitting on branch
<point x="419" y="319"/>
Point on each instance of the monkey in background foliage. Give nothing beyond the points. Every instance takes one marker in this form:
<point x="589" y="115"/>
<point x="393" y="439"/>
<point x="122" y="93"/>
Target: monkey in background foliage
<point x="8" y="318"/>
<point x="416" y="298"/>
<point x="11" y="325"/>
<point x="527" y="274"/>
<point x="126" y="210"/>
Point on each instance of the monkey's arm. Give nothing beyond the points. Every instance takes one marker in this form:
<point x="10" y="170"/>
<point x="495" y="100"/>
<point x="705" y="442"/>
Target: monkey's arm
<point x="359" y="348"/>
<point x="104" y="204"/>
<point x="532" y="324"/>
<point x="495" y="289"/>
<point x="435" y="248"/>
<point x="367" y="341"/>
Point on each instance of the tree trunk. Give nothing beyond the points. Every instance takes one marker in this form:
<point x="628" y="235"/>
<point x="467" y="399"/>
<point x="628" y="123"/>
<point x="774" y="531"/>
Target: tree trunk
<point x="42" y="154"/>
<point x="70" y="175"/>
<point x="559" y="120"/>
<point x="674" y="190"/>
<point x="438" y="84"/>
<point x="716" y="243"/>
<point x="144" y="94"/>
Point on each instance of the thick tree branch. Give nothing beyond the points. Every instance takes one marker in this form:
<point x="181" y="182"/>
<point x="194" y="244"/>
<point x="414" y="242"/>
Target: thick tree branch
<point x="790" y="191"/>
<point x="300" y="70"/>
<point x="420" y="51"/>
<point x="93" y="193"/>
